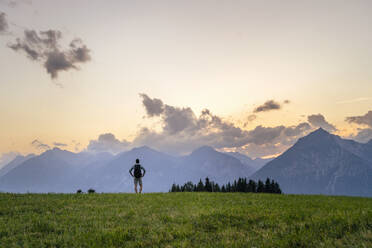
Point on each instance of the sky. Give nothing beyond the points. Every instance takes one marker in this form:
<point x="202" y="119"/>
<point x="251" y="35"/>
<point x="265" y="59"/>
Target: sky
<point x="247" y="76"/>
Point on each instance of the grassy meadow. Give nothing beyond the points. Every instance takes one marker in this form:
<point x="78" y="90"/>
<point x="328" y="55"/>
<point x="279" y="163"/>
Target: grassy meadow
<point x="184" y="220"/>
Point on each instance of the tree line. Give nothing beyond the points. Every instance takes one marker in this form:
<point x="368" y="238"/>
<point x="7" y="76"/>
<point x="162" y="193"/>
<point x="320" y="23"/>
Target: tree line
<point x="240" y="185"/>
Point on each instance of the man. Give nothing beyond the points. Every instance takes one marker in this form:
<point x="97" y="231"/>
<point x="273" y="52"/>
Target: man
<point x="137" y="168"/>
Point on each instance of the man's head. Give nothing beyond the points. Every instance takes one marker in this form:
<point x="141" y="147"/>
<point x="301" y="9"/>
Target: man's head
<point x="137" y="160"/>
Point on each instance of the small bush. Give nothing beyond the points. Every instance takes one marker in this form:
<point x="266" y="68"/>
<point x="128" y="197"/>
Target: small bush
<point x="91" y="191"/>
<point x="79" y="191"/>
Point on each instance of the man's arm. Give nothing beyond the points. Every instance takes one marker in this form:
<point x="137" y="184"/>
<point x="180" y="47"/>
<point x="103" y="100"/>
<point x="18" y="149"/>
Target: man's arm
<point x="144" y="171"/>
<point x="130" y="171"/>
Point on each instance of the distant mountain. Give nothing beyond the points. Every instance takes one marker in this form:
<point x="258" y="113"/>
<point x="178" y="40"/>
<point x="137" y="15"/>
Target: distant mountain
<point x="163" y="170"/>
<point x="220" y="167"/>
<point x="55" y="170"/>
<point x="14" y="163"/>
<point x="63" y="171"/>
<point x="256" y="164"/>
<point x="322" y="163"/>
<point x="114" y="177"/>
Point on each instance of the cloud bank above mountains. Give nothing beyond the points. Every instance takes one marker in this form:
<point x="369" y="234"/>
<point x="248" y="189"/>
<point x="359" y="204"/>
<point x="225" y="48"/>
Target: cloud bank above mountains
<point x="365" y="133"/>
<point x="182" y="131"/>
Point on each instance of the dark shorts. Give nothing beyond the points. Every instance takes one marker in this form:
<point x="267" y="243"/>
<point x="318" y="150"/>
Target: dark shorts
<point x="138" y="181"/>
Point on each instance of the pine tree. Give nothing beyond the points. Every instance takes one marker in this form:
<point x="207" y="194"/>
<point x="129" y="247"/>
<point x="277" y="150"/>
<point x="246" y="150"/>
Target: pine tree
<point x="228" y="187"/>
<point x="200" y="186"/>
<point x="223" y="189"/>
<point x="267" y="188"/>
<point x="277" y="189"/>
<point x="217" y="188"/>
<point x="272" y="185"/>
<point x="260" y="187"/>
<point x="174" y="188"/>
<point x="207" y="186"/>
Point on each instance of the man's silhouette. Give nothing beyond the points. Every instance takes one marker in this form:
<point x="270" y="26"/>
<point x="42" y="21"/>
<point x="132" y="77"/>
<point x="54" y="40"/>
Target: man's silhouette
<point x="137" y="175"/>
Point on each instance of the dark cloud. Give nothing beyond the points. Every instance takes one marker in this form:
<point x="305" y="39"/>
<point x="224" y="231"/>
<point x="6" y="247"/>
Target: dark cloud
<point x="107" y="143"/>
<point x="59" y="144"/>
<point x="44" y="47"/>
<point x="3" y="23"/>
<point x="362" y="120"/>
<point x="154" y="107"/>
<point x="40" y="145"/>
<point x="319" y="121"/>
<point x="267" y="106"/>
<point x="183" y="131"/>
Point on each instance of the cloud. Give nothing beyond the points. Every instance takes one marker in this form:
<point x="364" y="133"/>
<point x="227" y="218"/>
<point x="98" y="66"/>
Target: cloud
<point x="77" y="145"/>
<point x="287" y="101"/>
<point x="154" y="107"/>
<point x="58" y="144"/>
<point x="44" y="47"/>
<point x="182" y="131"/>
<point x="363" y="135"/>
<point x="267" y="106"/>
<point x="3" y="23"/>
<point x="15" y="3"/>
<point x="361" y="120"/>
<point x="319" y="121"/>
<point x="359" y="99"/>
<point x="40" y="145"/>
<point x="107" y="143"/>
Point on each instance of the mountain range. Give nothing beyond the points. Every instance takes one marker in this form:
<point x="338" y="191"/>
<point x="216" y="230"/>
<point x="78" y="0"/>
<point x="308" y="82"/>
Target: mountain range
<point x="319" y="163"/>
<point x="58" y="170"/>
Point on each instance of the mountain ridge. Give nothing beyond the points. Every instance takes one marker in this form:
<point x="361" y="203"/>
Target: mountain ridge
<point x="322" y="163"/>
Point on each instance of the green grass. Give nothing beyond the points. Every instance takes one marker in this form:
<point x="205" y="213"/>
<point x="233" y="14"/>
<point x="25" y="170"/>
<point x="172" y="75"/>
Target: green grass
<point x="184" y="220"/>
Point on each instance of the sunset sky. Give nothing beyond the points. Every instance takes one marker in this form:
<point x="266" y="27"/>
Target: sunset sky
<point x="250" y="76"/>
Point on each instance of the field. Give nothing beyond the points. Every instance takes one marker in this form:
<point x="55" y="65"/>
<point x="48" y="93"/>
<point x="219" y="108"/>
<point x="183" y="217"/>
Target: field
<point x="184" y="220"/>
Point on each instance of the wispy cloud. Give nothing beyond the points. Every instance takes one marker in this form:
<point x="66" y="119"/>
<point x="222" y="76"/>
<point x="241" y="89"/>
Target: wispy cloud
<point x="40" y="145"/>
<point x="359" y="99"/>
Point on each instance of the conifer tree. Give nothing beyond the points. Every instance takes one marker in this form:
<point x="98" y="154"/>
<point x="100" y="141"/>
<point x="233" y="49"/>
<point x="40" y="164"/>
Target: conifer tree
<point x="223" y="189"/>
<point x="200" y="186"/>
<point x="207" y="186"/>
<point x="267" y="188"/>
<point x="260" y="187"/>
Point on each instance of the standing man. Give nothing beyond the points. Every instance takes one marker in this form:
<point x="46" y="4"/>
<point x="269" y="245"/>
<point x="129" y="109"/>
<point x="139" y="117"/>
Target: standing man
<point x="137" y="175"/>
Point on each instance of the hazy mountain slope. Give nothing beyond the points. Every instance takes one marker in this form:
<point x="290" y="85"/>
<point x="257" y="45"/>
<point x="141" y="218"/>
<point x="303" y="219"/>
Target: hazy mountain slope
<point x="44" y="173"/>
<point x="256" y="164"/>
<point x="220" y="167"/>
<point x="322" y="163"/>
<point x="55" y="170"/>
<point x="14" y="163"/>
<point x="114" y="177"/>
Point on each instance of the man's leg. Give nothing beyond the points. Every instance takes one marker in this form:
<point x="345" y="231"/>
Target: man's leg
<point x="135" y="184"/>
<point x="140" y="182"/>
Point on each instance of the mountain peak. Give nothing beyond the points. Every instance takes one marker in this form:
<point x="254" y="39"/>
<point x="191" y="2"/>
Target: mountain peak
<point x="321" y="131"/>
<point x="143" y="148"/>
<point x="204" y="149"/>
